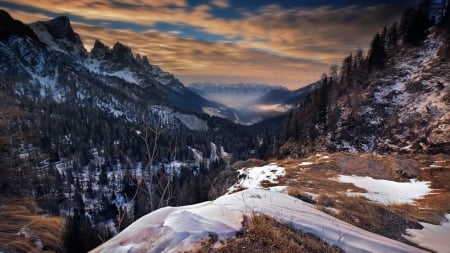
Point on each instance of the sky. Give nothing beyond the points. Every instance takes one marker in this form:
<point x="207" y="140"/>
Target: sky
<point x="289" y="42"/>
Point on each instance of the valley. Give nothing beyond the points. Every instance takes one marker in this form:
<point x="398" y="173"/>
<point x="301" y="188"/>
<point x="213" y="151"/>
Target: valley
<point x="102" y="150"/>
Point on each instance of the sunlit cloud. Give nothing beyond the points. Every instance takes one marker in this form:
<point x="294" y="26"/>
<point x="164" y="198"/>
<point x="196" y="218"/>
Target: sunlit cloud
<point x="221" y="3"/>
<point x="269" y="44"/>
<point x="195" y="60"/>
<point x="271" y="108"/>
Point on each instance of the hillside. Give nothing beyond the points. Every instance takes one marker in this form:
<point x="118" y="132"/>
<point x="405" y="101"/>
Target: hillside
<point x="394" y="100"/>
<point x="316" y="196"/>
<point x="101" y="138"/>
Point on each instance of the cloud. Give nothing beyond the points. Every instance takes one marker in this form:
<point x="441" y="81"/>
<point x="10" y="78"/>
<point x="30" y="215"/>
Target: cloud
<point x="271" y="108"/>
<point x="195" y="60"/>
<point x="221" y="3"/>
<point x="290" y="47"/>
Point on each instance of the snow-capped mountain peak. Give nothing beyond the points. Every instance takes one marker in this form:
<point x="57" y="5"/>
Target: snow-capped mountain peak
<point x="50" y="60"/>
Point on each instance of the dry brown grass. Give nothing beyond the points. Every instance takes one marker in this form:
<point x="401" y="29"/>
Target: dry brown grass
<point x="316" y="178"/>
<point x="374" y="217"/>
<point x="22" y="229"/>
<point x="262" y="233"/>
<point x="392" y="220"/>
<point x="432" y="207"/>
<point x="267" y="184"/>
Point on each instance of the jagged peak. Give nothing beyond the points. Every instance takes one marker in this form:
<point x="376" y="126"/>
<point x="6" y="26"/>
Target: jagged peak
<point x="142" y="59"/>
<point x="100" y="50"/>
<point x="145" y="60"/>
<point x="98" y="44"/>
<point x="60" y="28"/>
<point x="119" y="47"/>
<point x="4" y="15"/>
<point x="121" y="51"/>
<point x="9" y="26"/>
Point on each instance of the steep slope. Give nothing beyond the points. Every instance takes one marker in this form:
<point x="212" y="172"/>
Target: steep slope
<point x="402" y="108"/>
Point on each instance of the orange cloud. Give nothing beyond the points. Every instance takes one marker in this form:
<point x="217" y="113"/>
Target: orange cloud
<point x="290" y="47"/>
<point x="193" y="60"/>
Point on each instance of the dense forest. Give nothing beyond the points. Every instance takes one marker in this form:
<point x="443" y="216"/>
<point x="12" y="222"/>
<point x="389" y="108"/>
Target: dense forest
<point x="102" y="173"/>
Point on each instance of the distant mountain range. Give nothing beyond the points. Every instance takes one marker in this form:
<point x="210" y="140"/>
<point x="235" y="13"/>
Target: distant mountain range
<point x="255" y="102"/>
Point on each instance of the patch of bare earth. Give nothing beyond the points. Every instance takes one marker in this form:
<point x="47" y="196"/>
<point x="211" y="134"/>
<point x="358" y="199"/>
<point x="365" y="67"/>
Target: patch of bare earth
<point x="313" y="180"/>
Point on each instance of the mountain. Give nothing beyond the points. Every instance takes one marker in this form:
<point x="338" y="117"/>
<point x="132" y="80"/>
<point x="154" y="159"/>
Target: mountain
<point x="103" y="137"/>
<point x="232" y="95"/>
<point x="255" y="102"/>
<point x="279" y="101"/>
<point x="49" y="61"/>
<point x="395" y="99"/>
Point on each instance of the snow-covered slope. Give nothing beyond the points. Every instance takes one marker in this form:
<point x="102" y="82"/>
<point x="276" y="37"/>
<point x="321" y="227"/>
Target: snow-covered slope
<point x="47" y="60"/>
<point x="403" y="108"/>
<point x="179" y="229"/>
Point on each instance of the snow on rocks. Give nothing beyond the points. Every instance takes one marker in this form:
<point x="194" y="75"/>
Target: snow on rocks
<point x="175" y="229"/>
<point x="434" y="237"/>
<point x="250" y="178"/>
<point x="386" y="191"/>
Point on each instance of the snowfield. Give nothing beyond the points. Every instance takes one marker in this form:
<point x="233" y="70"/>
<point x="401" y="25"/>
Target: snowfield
<point x="386" y="191"/>
<point x="178" y="229"/>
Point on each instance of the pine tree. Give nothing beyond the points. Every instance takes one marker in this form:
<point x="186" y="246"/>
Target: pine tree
<point x="445" y="21"/>
<point x="377" y="54"/>
<point x="393" y="36"/>
<point x="415" y="23"/>
<point x="346" y="69"/>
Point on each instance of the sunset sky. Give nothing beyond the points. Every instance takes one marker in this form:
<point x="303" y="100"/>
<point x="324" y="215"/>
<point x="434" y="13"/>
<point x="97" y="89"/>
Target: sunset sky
<point x="289" y="43"/>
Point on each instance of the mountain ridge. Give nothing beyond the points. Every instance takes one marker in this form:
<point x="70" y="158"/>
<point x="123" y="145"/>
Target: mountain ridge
<point x="54" y="60"/>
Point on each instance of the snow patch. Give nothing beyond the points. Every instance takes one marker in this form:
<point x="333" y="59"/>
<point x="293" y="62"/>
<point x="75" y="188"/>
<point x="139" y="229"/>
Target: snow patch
<point x="126" y="76"/>
<point x="251" y="178"/>
<point x="192" y="122"/>
<point x="45" y="37"/>
<point x="213" y="112"/>
<point x="386" y="191"/>
<point x="434" y="237"/>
